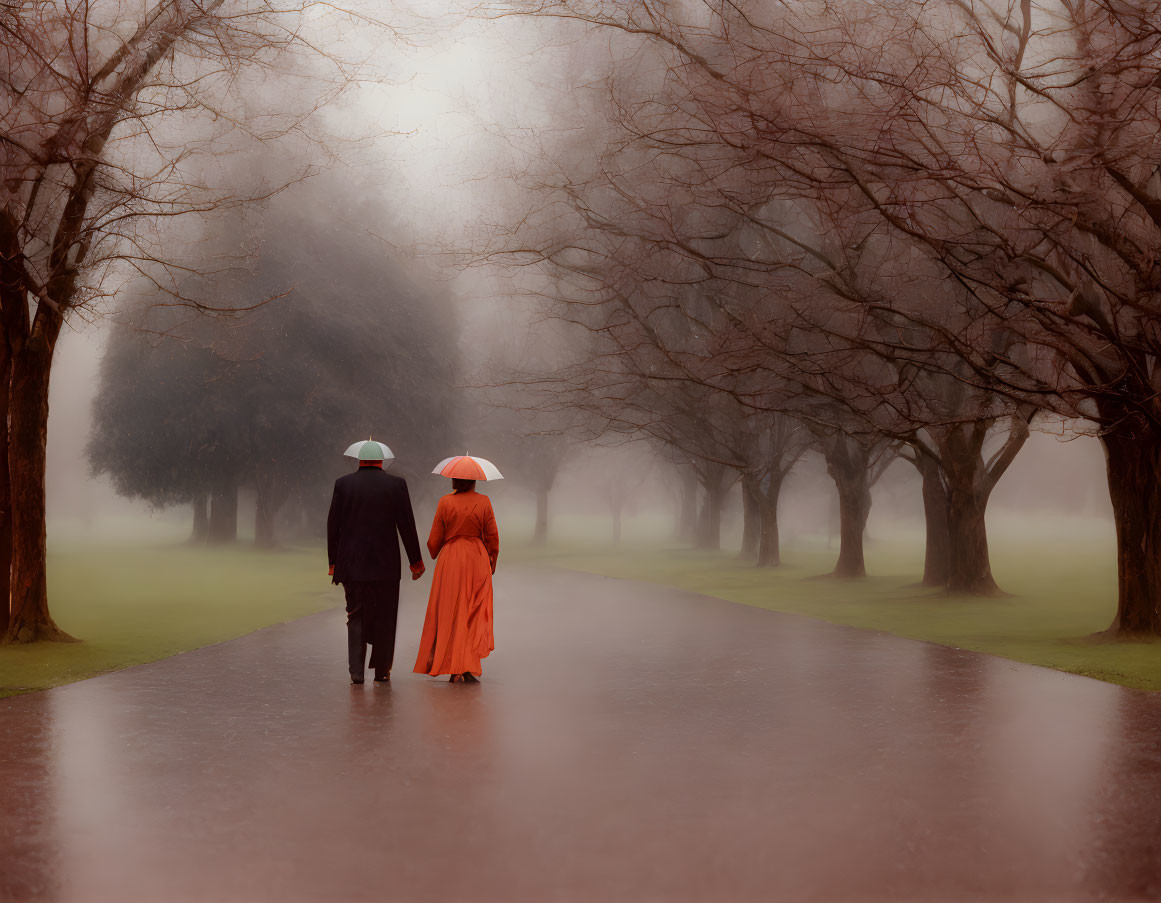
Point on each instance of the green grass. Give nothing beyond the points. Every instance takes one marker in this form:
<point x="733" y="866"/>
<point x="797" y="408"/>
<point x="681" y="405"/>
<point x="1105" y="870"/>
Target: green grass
<point x="1062" y="590"/>
<point x="135" y="604"/>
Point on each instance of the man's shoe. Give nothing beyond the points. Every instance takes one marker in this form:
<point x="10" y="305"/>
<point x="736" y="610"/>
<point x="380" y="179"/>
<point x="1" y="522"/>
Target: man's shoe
<point x="356" y="680"/>
<point x="382" y="678"/>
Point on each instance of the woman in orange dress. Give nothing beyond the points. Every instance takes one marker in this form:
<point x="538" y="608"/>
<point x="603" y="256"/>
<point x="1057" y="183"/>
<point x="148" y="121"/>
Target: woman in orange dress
<point x="465" y="543"/>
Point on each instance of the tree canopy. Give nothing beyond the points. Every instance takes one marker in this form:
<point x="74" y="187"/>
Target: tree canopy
<point x="325" y="337"/>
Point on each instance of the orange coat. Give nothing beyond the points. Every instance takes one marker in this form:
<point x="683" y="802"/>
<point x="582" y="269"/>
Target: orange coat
<point x="457" y="632"/>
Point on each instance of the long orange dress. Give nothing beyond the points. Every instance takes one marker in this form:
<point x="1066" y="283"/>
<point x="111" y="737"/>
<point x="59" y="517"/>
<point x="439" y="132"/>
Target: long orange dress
<point x="465" y="543"/>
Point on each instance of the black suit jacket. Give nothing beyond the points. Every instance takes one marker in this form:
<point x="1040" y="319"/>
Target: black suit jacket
<point x="368" y="509"/>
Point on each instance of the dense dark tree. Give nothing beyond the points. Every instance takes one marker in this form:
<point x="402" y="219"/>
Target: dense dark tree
<point x="157" y="423"/>
<point x="332" y="338"/>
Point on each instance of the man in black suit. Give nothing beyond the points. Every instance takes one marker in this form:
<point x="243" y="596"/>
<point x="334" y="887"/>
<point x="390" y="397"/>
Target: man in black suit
<point x="369" y="507"/>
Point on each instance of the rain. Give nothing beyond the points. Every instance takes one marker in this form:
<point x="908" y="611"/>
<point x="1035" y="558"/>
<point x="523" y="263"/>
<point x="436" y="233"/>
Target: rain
<point x="580" y="449"/>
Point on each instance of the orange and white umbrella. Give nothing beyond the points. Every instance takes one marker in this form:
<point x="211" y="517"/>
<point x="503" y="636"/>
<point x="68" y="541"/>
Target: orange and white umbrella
<point x="468" y="467"/>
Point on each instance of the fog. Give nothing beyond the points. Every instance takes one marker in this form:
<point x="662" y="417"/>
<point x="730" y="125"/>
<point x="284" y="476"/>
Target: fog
<point x="1055" y="488"/>
<point x="468" y="106"/>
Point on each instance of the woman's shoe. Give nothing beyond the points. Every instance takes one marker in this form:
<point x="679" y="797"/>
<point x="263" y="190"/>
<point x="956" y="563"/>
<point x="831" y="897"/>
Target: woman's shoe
<point x="455" y="678"/>
<point x="469" y="678"/>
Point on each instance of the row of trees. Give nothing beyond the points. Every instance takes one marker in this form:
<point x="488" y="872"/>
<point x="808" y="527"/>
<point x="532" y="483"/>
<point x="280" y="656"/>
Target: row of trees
<point x="899" y="228"/>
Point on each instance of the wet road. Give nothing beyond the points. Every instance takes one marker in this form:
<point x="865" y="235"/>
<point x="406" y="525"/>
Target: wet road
<point x="627" y="743"/>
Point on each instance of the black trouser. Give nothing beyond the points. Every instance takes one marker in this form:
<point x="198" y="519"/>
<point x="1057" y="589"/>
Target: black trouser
<point x="372" y="609"/>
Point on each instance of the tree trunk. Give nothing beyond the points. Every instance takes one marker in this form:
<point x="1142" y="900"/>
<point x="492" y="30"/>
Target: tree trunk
<point x="715" y="480"/>
<point x="5" y="493"/>
<point x="14" y="307"/>
<point x="1134" y="474"/>
<point x="709" y="519"/>
<point x="770" y="543"/>
<point x="832" y="519"/>
<point x="540" y="531"/>
<point x="751" y="518"/>
<point x="269" y="500"/>
<point x="969" y="481"/>
<point x="969" y="567"/>
<point x="847" y="463"/>
<point x="686" y="528"/>
<point x="224" y="512"/>
<point x="201" y="519"/>
<point x="854" y="507"/>
<point x="937" y="556"/>
<point x="263" y="524"/>
<point x="28" y="436"/>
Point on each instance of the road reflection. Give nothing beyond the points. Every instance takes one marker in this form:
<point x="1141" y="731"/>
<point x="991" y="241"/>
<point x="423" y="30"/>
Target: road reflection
<point x="626" y="743"/>
<point x="29" y="849"/>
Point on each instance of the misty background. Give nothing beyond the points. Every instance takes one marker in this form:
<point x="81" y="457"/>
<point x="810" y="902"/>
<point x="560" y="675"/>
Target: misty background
<point x="469" y="105"/>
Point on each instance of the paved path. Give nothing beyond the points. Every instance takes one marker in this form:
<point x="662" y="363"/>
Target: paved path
<point x="627" y="743"/>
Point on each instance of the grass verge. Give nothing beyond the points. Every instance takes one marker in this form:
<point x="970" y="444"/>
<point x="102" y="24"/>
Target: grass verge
<point x="1062" y="592"/>
<point x="134" y="604"/>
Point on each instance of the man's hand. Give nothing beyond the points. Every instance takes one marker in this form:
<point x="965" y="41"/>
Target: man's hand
<point x="417" y="570"/>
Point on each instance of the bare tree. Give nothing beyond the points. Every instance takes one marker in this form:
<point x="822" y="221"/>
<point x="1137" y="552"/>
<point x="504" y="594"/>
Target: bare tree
<point x="105" y="112"/>
<point x="761" y="173"/>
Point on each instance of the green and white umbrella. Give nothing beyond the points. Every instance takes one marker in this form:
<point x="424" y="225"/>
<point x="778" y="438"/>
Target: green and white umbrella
<point x="369" y="450"/>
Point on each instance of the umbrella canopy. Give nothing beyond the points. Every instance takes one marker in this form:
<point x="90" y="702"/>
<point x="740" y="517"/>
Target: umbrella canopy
<point x="467" y="467"/>
<point x="369" y="450"/>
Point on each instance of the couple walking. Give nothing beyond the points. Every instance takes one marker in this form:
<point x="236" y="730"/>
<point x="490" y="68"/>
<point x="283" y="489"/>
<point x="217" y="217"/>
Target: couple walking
<point x="369" y="509"/>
